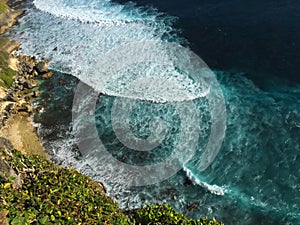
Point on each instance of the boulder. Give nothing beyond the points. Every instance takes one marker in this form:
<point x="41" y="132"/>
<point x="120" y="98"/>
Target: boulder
<point x="5" y="170"/>
<point x="20" y="88"/>
<point x="62" y="82"/>
<point x="26" y="91"/>
<point x="36" y="94"/>
<point x="13" y="97"/>
<point x="29" y="84"/>
<point x="42" y="67"/>
<point x="21" y="80"/>
<point x="27" y="98"/>
<point x="9" y="107"/>
<point x="26" y="109"/>
<point x="193" y="206"/>
<point x="35" y="73"/>
<point x="47" y="75"/>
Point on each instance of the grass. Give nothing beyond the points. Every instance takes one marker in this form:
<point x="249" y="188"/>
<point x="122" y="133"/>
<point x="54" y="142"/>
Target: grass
<point x="3" y="7"/>
<point x="6" y="73"/>
<point x="55" y="195"/>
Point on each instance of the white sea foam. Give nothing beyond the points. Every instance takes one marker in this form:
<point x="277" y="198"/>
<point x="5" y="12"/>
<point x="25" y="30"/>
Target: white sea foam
<point x="214" y="189"/>
<point x="102" y="12"/>
<point x="77" y="37"/>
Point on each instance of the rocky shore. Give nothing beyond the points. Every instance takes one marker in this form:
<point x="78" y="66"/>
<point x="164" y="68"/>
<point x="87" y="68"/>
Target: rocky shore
<point x="16" y="105"/>
<point x="33" y="190"/>
<point x="16" y="100"/>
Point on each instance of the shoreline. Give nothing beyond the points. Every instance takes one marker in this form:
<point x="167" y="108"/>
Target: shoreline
<point x="16" y="101"/>
<point x="17" y="128"/>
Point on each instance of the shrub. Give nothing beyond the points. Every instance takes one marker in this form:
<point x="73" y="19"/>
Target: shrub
<point x="55" y="195"/>
<point x="161" y="214"/>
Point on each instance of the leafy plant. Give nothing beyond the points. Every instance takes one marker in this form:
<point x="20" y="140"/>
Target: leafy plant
<point x="54" y="195"/>
<point x="161" y="214"/>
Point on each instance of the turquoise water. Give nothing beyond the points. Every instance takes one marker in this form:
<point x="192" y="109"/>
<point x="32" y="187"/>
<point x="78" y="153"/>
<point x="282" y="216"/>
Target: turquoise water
<point x="255" y="176"/>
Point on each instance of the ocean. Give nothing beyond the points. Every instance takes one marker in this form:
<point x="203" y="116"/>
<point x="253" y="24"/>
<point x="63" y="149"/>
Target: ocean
<point x="194" y="103"/>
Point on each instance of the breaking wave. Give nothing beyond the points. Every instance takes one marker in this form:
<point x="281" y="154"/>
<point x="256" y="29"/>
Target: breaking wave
<point x="89" y="38"/>
<point x="214" y="189"/>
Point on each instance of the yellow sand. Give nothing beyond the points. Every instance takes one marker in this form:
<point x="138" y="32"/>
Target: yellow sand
<point x="20" y="131"/>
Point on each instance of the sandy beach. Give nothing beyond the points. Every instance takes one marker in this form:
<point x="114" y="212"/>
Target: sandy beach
<point x="22" y="134"/>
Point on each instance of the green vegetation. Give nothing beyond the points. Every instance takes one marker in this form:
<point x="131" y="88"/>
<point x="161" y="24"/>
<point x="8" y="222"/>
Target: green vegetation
<point x="6" y="73"/>
<point x="165" y="214"/>
<point x="53" y="195"/>
<point x="3" y="7"/>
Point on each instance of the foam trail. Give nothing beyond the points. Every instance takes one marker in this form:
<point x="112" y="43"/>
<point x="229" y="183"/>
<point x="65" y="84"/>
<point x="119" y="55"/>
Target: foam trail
<point x="214" y="189"/>
<point x="89" y="50"/>
<point x="104" y="13"/>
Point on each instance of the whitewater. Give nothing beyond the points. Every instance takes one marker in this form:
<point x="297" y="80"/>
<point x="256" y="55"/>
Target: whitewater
<point x="91" y="36"/>
<point x="85" y="37"/>
<point x="97" y="39"/>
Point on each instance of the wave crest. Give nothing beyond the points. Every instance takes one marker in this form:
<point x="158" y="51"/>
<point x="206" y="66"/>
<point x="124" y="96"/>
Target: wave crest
<point x="98" y="11"/>
<point x="214" y="189"/>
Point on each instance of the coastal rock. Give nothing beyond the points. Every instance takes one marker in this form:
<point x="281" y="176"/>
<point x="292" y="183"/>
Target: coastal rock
<point x="62" y="82"/>
<point x="29" y="84"/>
<point x="18" y="87"/>
<point x="42" y="67"/>
<point x="20" y="80"/>
<point x="8" y="19"/>
<point x="28" y="98"/>
<point x="25" y="92"/>
<point x="47" y="75"/>
<point x="193" y="206"/>
<point x="5" y="170"/>
<point x="25" y="108"/>
<point x="3" y="219"/>
<point x="99" y="186"/>
<point x="21" y="93"/>
<point x="28" y="63"/>
<point x="13" y="97"/>
<point x="36" y="94"/>
<point x="9" y="107"/>
<point x="35" y="73"/>
<point x="8" y="45"/>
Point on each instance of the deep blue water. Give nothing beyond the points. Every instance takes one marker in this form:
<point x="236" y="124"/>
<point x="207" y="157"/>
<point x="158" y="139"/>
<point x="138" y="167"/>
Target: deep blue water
<point x="258" y="37"/>
<point x="252" y="47"/>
